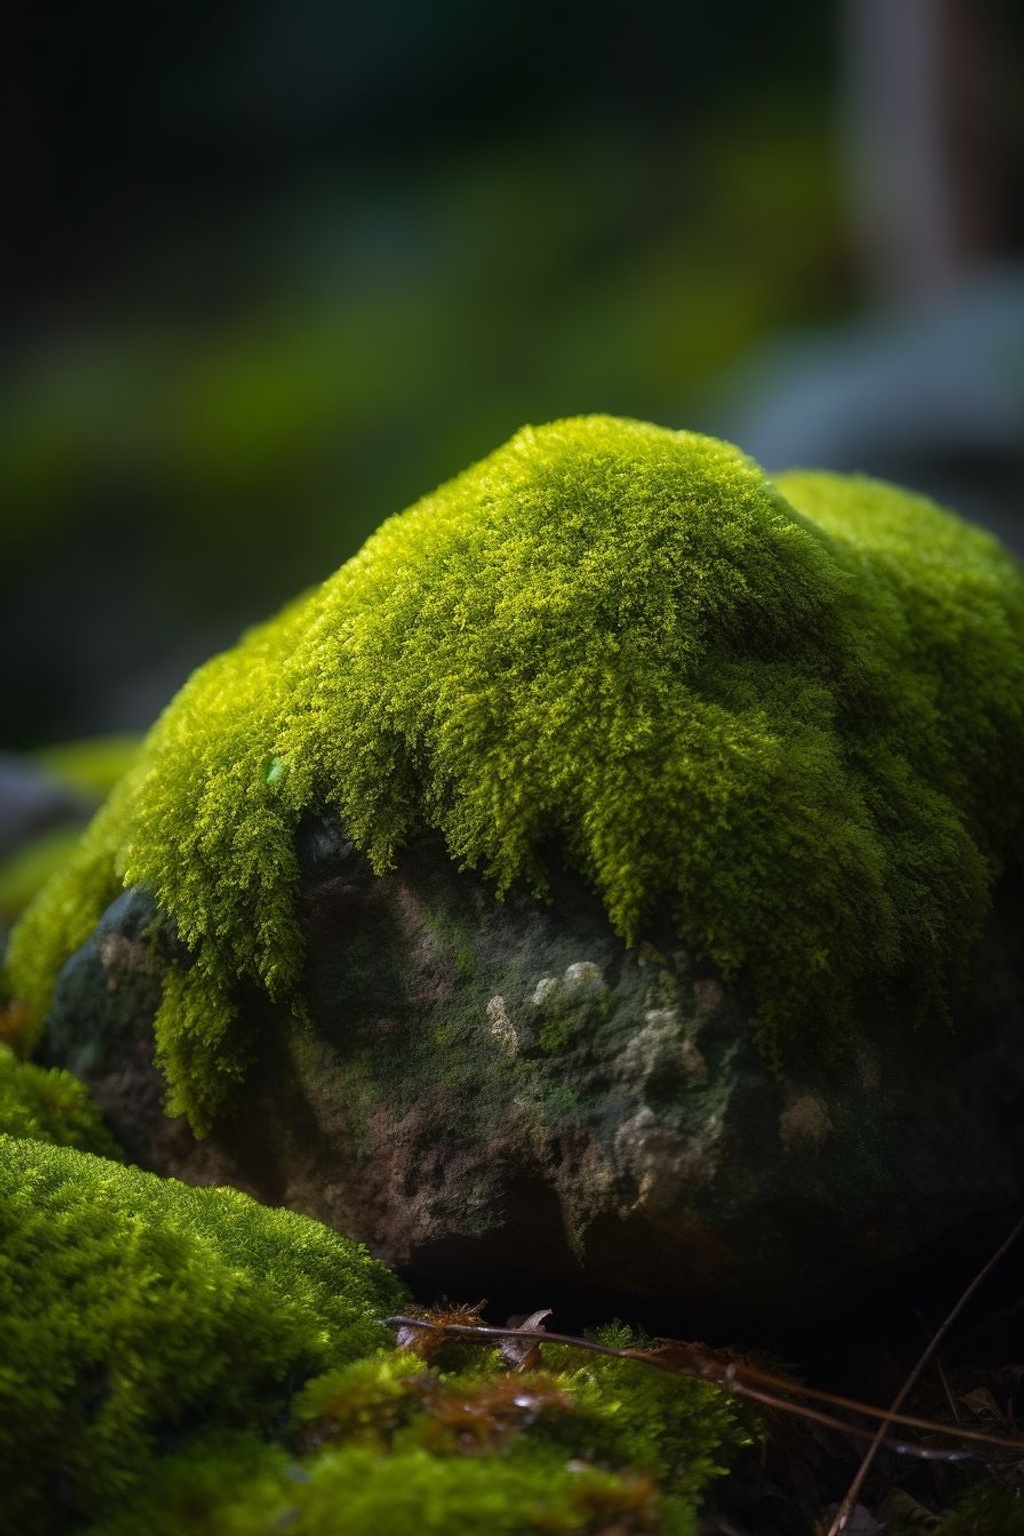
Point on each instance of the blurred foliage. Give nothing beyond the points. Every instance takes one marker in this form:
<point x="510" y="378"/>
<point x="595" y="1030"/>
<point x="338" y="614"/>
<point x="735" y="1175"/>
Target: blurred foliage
<point x="509" y="289"/>
<point x="91" y="767"/>
<point x="162" y="473"/>
<point x="24" y="873"/>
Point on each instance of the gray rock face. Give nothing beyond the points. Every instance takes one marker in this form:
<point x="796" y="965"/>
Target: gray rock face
<point x="502" y="1088"/>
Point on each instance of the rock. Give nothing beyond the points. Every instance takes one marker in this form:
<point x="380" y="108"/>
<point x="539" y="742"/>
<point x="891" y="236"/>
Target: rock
<point x="503" y="1089"/>
<point x="745" y="761"/>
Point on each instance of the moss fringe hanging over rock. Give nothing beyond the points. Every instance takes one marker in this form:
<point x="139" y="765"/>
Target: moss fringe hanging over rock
<point x="790" y="717"/>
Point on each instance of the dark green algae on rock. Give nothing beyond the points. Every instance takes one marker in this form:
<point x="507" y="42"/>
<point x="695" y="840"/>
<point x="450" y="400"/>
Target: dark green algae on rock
<point x="586" y="876"/>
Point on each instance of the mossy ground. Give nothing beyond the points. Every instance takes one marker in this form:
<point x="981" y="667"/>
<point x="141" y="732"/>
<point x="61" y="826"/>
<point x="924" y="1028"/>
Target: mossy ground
<point x="183" y="1360"/>
<point x="994" y="1509"/>
<point x="135" y="1309"/>
<point x="186" y="1362"/>
<point x="459" y="1446"/>
<point x="790" y="717"/>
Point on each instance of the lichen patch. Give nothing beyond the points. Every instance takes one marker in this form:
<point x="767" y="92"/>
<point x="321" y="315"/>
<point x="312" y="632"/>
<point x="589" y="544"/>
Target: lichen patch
<point x="583" y="979"/>
<point x="664" y="1167"/>
<point x="543" y="990"/>
<point x="501" y="1026"/>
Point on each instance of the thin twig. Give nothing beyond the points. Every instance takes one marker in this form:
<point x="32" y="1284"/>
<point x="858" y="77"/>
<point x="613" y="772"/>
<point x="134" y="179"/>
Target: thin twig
<point x="843" y="1513"/>
<point x="906" y="1420"/>
<point x="731" y="1378"/>
<point x="815" y="1416"/>
<point x="941" y="1370"/>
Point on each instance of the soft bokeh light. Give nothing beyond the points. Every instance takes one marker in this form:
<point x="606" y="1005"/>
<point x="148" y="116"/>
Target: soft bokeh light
<point x="275" y="271"/>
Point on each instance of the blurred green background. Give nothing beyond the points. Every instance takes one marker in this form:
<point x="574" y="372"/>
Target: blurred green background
<point x="273" y="270"/>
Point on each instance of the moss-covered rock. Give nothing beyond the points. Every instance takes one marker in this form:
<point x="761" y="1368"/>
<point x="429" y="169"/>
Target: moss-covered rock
<point x="134" y="1309"/>
<point x="502" y="1095"/>
<point x="564" y="878"/>
<point x="789" y="716"/>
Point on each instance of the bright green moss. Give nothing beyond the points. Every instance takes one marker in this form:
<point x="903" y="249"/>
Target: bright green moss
<point x="49" y="1105"/>
<point x="182" y="1361"/>
<point x="582" y="1445"/>
<point x="134" y="1308"/>
<point x="415" y="1494"/>
<point x="790" y="718"/>
<point x="408" y="1493"/>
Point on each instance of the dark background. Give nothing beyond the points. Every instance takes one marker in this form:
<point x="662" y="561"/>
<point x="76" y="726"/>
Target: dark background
<point x="273" y="270"/>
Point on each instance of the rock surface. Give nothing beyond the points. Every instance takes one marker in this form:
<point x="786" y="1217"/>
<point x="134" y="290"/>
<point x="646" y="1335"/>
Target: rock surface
<point x="502" y="1088"/>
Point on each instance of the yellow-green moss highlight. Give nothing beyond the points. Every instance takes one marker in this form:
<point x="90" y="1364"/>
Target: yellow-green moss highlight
<point x="50" y="1105"/>
<point x="788" y="717"/>
<point x="134" y="1308"/>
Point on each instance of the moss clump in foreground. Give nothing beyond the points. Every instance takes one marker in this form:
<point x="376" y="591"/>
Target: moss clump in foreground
<point x="185" y="1360"/>
<point x="789" y="716"/>
<point x="50" y="1105"/>
<point x="134" y="1308"/>
<point x="582" y="1445"/>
